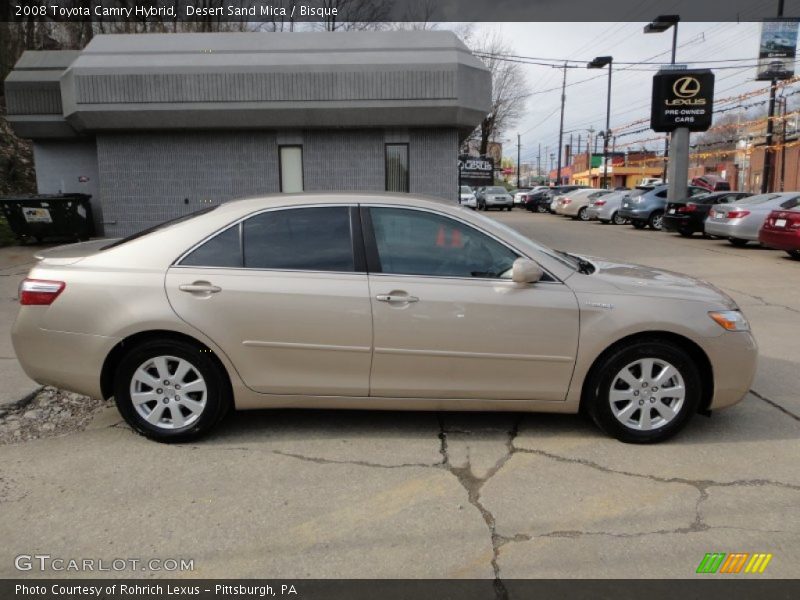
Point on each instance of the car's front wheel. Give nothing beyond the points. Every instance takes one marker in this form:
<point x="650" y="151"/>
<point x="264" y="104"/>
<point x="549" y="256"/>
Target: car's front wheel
<point x="644" y="392"/>
<point x="171" y="390"/>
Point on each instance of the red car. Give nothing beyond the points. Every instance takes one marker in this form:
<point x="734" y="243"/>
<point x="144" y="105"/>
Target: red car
<point x="781" y="230"/>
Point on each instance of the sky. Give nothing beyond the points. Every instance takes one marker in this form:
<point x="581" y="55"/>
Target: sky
<point x="631" y="86"/>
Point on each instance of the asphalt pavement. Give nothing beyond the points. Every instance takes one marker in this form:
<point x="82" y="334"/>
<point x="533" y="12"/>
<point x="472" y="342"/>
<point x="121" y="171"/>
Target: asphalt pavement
<point x="429" y="495"/>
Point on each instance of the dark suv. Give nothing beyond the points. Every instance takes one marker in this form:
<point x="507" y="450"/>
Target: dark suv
<point x="645" y="206"/>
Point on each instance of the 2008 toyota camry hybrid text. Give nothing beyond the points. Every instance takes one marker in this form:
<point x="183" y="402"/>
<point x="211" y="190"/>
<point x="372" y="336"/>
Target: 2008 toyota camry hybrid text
<point x="373" y="301"/>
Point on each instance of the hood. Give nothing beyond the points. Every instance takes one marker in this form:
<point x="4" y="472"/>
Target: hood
<point x="639" y="280"/>
<point x="72" y="253"/>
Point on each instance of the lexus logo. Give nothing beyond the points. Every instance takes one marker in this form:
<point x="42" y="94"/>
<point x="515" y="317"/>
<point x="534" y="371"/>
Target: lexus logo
<point x="686" y="87"/>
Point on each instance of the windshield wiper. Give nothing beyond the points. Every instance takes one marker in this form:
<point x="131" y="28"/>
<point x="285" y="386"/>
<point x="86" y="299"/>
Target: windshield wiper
<point x="584" y="266"/>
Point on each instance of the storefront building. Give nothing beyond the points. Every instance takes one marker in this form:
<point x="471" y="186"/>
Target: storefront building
<point x="159" y="125"/>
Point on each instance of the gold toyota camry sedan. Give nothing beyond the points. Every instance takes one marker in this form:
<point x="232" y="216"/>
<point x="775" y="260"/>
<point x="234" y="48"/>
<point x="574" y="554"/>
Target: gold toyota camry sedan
<point x="372" y="301"/>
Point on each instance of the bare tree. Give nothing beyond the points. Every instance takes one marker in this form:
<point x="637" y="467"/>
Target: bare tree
<point x="354" y="15"/>
<point x="510" y="90"/>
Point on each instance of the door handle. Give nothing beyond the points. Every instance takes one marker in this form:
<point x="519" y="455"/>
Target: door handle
<point x="399" y="298"/>
<point x="199" y="287"/>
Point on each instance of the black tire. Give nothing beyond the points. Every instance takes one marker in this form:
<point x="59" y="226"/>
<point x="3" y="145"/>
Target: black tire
<point x="737" y="242"/>
<point x="795" y="254"/>
<point x="618" y="220"/>
<point x="218" y="397"/>
<point x="583" y="214"/>
<point x="604" y="374"/>
<point x="639" y="224"/>
<point x="541" y="208"/>
<point x="656" y="220"/>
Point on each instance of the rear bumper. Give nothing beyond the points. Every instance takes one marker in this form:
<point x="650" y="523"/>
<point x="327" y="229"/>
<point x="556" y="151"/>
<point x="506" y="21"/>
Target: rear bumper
<point x="728" y="229"/>
<point x="681" y="223"/>
<point x="780" y="240"/>
<point x="638" y="214"/>
<point x="71" y="361"/>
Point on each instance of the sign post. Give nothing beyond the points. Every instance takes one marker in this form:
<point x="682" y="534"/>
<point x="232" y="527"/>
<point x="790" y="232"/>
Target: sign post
<point x="683" y="101"/>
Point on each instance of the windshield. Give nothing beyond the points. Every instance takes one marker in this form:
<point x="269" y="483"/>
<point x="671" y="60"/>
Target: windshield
<point x="465" y="189"/>
<point x="496" y="190"/>
<point x="144" y="232"/>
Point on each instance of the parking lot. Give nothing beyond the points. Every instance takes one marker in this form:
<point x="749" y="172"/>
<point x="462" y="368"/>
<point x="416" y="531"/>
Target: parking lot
<point x="426" y="495"/>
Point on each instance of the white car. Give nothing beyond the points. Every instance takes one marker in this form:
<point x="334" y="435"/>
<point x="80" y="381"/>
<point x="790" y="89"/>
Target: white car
<point x="466" y="197"/>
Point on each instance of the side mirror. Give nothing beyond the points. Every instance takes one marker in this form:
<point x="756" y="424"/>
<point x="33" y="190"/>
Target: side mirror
<point x="525" y="270"/>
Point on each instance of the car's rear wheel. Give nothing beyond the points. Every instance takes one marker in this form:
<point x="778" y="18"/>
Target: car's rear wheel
<point x="618" y="219"/>
<point x="583" y="214"/>
<point x="541" y="208"/>
<point x="795" y="254"/>
<point x="171" y="390"/>
<point x="644" y="392"/>
<point x="639" y="224"/>
<point x="656" y="221"/>
<point x="737" y="242"/>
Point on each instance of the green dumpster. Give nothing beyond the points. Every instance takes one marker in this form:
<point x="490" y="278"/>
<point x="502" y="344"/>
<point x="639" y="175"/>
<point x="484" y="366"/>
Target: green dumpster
<point x="49" y="216"/>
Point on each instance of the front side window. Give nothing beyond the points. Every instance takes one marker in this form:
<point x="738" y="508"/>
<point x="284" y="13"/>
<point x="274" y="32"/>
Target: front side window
<point x="413" y="242"/>
<point x="397" y="167"/>
<point x="302" y="239"/>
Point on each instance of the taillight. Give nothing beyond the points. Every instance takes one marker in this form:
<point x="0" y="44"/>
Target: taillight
<point x="566" y="201"/>
<point x="690" y="207"/>
<point x="39" y="292"/>
<point x="599" y="202"/>
<point x="736" y="214"/>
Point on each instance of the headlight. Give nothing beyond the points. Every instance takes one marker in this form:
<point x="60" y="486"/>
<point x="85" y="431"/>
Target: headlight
<point x="730" y="320"/>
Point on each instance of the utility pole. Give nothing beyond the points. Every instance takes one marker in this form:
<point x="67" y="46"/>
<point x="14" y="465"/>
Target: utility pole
<point x="561" y="124"/>
<point x="769" y="155"/>
<point x="784" y="101"/>
<point x="539" y="163"/>
<point x="579" y="144"/>
<point x="518" y="161"/>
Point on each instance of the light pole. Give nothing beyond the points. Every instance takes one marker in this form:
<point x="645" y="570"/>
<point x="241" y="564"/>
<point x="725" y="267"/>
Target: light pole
<point x="599" y="63"/>
<point x="659" y="25"/>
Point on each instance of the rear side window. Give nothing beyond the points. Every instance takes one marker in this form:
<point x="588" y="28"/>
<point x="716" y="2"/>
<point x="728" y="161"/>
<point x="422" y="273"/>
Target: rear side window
<point x="303" y="239"/>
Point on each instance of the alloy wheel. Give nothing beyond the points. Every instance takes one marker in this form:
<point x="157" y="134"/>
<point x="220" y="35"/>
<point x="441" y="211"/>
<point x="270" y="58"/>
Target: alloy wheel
<point x="168" y="392"/>
<point x="618" y="219"/>
<point x="647" y="394"/>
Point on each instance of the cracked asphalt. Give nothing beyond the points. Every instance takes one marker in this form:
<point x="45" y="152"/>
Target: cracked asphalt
<point x="323" y="494"/>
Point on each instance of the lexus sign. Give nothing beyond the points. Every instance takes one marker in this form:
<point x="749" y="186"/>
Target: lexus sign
<point x="682" y="99"/>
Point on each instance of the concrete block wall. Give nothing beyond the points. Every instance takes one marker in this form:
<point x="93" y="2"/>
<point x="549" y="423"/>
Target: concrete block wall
<point x="146" y="178"/>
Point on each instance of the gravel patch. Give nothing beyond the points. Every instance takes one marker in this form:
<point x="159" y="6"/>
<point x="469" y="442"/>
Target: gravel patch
<point x="49" y="413"/>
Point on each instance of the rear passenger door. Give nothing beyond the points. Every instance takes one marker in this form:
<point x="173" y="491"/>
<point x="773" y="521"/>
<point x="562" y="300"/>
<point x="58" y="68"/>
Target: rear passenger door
<point x="284" y="293"/>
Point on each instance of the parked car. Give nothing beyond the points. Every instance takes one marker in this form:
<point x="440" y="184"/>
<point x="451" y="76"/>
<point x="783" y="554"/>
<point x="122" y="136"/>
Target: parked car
<point x="712" y="183"/>
<point x="540" y="202"/>
<point x="740" y="222"/>
<point x="781" y="231"/>
<point x="606" y="208"/>
<point x="647" y="207"/>
<point x="494" y="197"/>
<point x="374" y="301"/>
<point x="575" y="204"/>
<point x="688" y="216"/>
<point x="466" y="197"/>
<point x="521" y="195"/>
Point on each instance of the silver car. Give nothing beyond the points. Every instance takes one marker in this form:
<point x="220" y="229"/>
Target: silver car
<point x="740" y="221"/>
<point x="495" y="197"/>
<point x="606" y="208"/>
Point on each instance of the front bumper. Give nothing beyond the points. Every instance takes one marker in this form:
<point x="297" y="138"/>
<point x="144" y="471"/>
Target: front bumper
<point x="734" y="358"/>
<point x="470" y="202"/>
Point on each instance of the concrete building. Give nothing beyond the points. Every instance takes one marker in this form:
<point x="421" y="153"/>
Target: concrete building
<point x="156" y="126"/>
